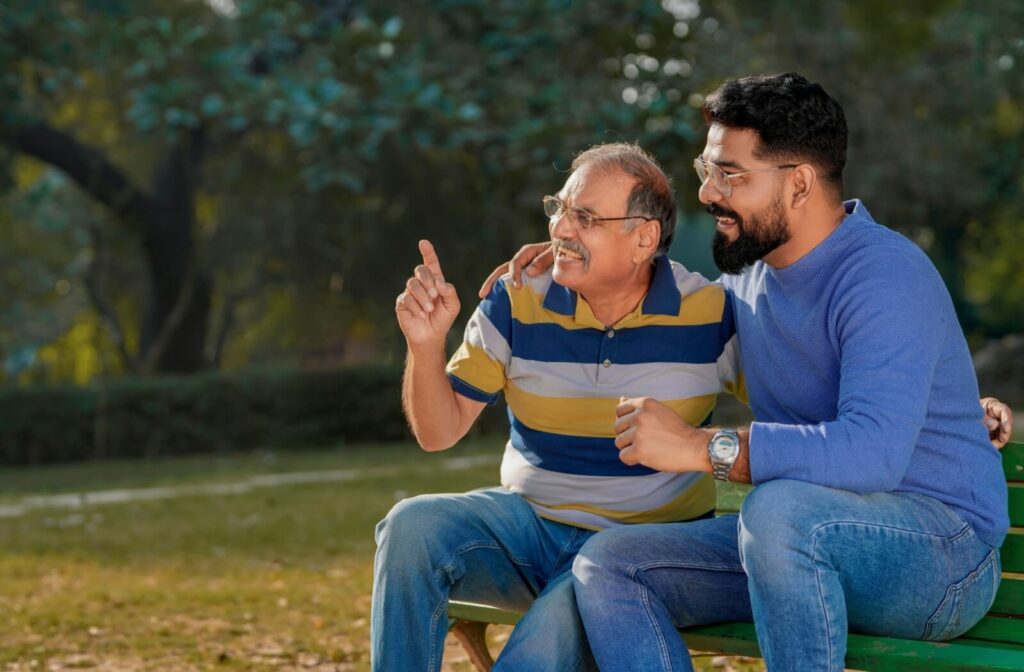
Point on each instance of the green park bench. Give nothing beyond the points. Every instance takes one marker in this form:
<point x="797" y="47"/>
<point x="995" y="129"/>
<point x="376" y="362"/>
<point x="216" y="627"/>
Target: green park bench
<point x="996" y="643"/>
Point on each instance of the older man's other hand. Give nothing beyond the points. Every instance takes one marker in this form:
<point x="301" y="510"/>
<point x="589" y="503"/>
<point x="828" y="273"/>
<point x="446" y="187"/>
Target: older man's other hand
<point x="998" y="421"/>
<point x="650" y="433"/>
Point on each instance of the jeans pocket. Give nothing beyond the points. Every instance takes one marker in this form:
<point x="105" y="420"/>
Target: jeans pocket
<point x="966" y="601"/>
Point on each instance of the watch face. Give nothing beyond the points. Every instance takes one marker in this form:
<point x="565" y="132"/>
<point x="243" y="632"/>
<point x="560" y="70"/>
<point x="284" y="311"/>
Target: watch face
<point x="724" y="447"/>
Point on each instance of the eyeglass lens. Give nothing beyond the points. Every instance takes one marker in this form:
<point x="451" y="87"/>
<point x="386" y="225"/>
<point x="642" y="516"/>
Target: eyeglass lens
<point x="554" y="208"/>
<point x="706" y="170"/>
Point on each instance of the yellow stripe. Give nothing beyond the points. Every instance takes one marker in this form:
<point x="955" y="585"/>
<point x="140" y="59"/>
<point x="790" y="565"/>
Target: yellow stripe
<point x="528" y="308"/>
<point x="703" y="306"/>
<point x="696" y="500"/>
<point x="472" y="365"/>
<point x="589" y="416"/>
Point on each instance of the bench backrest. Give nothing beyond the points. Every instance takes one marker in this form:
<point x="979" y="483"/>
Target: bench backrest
<point x="1010" y="600"/>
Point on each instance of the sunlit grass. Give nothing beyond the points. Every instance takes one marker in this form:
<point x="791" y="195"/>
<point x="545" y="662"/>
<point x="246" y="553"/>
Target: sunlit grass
<point x="275" y="578"/>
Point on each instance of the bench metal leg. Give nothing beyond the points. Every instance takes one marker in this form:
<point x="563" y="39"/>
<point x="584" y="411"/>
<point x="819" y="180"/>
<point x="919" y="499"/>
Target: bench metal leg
<point x="472" y="636"/>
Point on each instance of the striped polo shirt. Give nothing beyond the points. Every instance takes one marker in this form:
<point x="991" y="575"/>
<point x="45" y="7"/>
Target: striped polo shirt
<point x="562" y="373"/>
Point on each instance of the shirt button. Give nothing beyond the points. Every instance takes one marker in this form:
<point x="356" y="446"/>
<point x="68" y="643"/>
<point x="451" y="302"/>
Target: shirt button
<point x="606" y="363"/>
<point x="611" y="333"/>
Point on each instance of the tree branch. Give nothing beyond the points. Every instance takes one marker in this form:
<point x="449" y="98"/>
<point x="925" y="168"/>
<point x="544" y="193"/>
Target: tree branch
<point x="88" y="167"/>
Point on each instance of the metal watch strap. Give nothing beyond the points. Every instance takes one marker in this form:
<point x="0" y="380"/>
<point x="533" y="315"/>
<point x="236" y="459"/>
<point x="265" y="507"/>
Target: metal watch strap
<point x="721" y="470"/>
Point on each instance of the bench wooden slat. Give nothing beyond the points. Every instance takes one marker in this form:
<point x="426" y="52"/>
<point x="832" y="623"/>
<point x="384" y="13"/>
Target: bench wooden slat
<point x="998" y="629"/>
<point x="736" y="639"/>
<point x="1013" y="462"/>
<point x="1010" y="598"/>
<point x="1015" y="494"/>
<point x="1012" y="552"/>
<point x="875" y="653"/>
<point x="481" y="612"/>
<point x="885" y="654"/>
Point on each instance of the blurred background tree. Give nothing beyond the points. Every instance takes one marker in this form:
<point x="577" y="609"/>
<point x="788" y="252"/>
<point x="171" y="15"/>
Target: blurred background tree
<point x="227" y="183"/>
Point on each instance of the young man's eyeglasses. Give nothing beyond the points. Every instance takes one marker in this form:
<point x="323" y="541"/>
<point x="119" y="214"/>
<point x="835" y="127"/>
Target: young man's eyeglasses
<point x="720" y="178"/>
<point x="555" y="208"/>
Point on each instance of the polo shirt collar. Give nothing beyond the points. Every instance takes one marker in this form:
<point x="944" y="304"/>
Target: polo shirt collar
<point x="662" y="297"/>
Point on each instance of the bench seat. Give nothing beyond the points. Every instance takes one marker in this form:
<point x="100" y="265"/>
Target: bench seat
<point x="996" y="643"/>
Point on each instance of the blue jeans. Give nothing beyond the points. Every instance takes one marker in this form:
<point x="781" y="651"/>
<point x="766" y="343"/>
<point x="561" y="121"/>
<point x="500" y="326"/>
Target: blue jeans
<point x="484" y="546"/>
<point x="806" y="563"/>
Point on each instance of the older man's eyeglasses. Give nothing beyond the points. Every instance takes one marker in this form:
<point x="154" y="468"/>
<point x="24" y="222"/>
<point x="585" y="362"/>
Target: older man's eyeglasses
<point x="721" y="179"/>
<point x="555" y="208"/>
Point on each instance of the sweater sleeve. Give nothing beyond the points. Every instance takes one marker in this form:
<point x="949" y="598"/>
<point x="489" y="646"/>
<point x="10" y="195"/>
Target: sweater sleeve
<point x="889" y="320"/>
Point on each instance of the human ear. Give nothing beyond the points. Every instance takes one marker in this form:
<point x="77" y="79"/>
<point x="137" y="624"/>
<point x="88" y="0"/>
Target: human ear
<point x="648" y="237"/>
<point x="803" y="180"/>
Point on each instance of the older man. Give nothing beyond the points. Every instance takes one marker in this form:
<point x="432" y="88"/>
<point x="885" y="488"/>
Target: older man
<point x="613" y="318"/>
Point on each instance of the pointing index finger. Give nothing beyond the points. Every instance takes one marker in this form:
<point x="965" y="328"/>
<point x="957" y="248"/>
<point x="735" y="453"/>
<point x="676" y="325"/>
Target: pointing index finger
<point x="431" y="261"/>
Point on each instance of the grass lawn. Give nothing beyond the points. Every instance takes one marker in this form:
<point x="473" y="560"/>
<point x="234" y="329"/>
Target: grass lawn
<point x="275" y="577"/>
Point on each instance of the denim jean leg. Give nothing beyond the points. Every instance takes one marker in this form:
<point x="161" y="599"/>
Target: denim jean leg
<point x="486" y="546"/>
<point x="821" y="562"/>
<point x="550" y="635"/>
<point x="636" y="584"/>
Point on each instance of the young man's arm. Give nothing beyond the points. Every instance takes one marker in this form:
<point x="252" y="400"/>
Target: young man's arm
<point x="438" y="415"/>
<point x="887" y="364"/>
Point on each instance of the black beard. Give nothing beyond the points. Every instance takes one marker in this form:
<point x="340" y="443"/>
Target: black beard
<point x="767" y="231"/>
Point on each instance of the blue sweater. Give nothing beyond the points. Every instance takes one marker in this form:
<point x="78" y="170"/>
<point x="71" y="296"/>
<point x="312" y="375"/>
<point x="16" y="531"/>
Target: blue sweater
<point x="860" y="378"/>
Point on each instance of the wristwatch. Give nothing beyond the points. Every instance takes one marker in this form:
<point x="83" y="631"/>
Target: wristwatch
<point x="723" y="449"/>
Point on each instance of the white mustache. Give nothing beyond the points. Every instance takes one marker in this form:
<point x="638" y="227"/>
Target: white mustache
<point x="572" y="246"/>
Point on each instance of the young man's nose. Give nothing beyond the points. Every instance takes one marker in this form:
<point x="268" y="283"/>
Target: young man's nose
<point x="708" y="193"/>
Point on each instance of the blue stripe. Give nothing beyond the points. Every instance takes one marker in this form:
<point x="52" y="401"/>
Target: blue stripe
<point x="498" y="308"/>
<point x="565" y="454"/>
<point x="474" y="393"/>
<point x="728" y="317"/>
<point x="691" y="344"/>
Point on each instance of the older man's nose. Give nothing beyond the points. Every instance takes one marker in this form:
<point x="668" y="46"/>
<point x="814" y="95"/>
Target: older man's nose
<point x="560" y="226"/>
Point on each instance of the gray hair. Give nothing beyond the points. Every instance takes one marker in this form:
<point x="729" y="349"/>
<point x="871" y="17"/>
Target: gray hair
<point x="651" y="196"/>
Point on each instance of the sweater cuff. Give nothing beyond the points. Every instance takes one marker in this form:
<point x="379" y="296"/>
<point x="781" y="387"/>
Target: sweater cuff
<point x="759" y="453"/>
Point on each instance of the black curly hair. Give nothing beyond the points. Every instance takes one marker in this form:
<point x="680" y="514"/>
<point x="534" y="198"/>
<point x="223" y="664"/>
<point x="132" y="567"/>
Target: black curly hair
<point x="795" y="119"/>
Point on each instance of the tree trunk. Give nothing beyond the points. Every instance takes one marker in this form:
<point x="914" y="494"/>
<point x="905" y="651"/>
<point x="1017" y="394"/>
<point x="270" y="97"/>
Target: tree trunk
<point x="178" y="308"/>
<point x="178" y="302"/>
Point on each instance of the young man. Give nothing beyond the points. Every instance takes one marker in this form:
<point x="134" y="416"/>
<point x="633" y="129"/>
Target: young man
<point x="614" y="318"/>
<point x="880" y="503"/>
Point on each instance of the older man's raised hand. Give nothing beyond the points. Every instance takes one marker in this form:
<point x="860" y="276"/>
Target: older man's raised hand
<point x="429" y="305"/>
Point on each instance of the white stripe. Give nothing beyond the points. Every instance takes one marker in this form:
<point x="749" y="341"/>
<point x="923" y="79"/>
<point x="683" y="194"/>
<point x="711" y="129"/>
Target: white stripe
<point x="627" y="494"/>
<point x="481" y="333"/>
<point x="661" y="380"/>
<point x="729" y="363"/>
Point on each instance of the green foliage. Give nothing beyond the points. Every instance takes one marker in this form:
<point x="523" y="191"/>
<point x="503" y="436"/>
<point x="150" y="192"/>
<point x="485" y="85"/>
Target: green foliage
<point x="206" y="413"/>
<point x="338" y="133"/>
<point x="995" y="283"/>
<point x="219" y="413"/>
